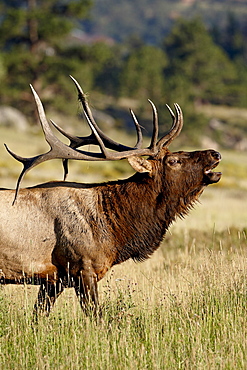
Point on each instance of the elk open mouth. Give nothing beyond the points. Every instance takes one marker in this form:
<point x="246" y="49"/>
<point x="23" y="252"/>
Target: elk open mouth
<point x="210" y="176"/>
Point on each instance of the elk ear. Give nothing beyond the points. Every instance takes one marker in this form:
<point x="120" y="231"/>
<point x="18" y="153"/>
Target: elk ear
<point x="140" y="164"/>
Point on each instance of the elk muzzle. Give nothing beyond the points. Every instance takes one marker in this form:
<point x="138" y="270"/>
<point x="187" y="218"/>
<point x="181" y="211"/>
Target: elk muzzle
<point x="211" y="177"/>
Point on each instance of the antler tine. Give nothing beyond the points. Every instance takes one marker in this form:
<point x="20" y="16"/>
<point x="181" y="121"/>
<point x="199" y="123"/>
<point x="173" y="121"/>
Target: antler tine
<point x="88" y="114"/>
<point x="180" y="119"/>
<point x="138" y="130"/>
<point x="155" y="127"/>
<point x="108" y="142"/>
<point x="175" y="129"/>
<point x="28" y="163"/>
<point x="83" y="100"/>
<point x="179" y="123"/>
<point x="97" y="136"/>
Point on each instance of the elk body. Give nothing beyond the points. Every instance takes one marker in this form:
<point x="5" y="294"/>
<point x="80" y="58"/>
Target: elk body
<point x="63" y="234"/>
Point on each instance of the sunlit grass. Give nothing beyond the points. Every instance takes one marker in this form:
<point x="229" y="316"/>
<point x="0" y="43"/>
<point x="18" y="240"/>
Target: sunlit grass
<point x="230" y="114"/>
<point x="183" y="308"/>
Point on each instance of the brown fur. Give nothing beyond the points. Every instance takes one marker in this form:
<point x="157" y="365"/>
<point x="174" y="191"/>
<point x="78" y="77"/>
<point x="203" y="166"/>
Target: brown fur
<point x="59" y="234"/>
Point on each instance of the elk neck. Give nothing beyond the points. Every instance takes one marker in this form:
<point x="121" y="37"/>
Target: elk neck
<point x="138" y="212"/>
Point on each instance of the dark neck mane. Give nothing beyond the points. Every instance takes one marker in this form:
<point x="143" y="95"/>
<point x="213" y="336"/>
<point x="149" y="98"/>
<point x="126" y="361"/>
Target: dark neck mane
<point x="139" y="214"/>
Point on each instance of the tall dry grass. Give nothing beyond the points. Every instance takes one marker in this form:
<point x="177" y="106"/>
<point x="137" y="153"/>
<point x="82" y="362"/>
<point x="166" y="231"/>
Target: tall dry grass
<point x="185" y="308"/>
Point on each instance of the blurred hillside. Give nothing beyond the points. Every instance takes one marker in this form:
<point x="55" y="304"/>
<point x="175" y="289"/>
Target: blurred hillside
<point x="190" y="52"/>
<point x="151" y="20"/>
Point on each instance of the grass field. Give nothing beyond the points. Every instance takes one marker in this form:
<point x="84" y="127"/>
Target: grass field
<point x="185" y="308"/>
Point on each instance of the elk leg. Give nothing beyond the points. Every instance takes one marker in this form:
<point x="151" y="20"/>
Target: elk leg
<point x="87" y="292"/>
<point x="47" y="295"/>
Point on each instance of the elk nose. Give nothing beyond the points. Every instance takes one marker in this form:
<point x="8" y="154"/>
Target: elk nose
<point x="216" y="155"/>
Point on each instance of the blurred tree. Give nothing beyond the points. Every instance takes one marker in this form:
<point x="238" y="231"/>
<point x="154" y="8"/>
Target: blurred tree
<point x="232" y="38"/>
<point x="99" y="65"/>
<point x="107" y="63"/>
<point x="38" y="24"/>
<point x="197" y="67"/>
<point x="142" y="74"/>
<point x="30" y="34"/>
<point x="2" y="68"/>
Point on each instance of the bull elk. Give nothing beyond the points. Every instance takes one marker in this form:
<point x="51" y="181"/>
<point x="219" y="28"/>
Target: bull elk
<point x="61" y="234"/>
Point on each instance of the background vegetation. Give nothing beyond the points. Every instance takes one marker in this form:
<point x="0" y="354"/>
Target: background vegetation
<point x="195" y="61"/>
<point x="151" y="20"/>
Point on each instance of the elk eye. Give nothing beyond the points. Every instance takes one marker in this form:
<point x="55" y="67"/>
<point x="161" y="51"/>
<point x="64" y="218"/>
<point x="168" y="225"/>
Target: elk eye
<point x="173" y="161"/>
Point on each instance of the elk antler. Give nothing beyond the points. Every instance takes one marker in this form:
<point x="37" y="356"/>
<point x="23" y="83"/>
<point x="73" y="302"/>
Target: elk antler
<point x="77" y="141"/>
<point x="60" y="150"/>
